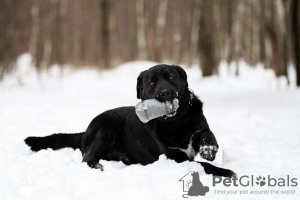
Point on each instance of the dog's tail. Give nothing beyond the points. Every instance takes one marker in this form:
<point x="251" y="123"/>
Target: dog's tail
<point x="217" y="171"/>
<point x="55" y="141"/>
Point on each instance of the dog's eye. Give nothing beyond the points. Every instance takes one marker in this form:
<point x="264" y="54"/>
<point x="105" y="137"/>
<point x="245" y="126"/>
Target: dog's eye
<point x="171" y="77"/>
<point x="151" y="83"/>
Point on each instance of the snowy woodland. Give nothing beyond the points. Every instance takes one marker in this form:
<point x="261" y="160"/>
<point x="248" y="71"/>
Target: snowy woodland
<point x="64" y="62"/>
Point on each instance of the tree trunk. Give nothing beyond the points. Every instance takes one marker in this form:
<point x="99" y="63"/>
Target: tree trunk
<point x="296" y="39"/>
<point x="262" y="32"/>
<point x="206" y="40"/>
<point x="34" y="30"/>
<point x="76" y="32"/>
<point x="194" y="32"/>
<point x="176" y="33"/>
<point x="105" y="8"/>
<point x="141" y="34"/>
<point x="161" y="21"/>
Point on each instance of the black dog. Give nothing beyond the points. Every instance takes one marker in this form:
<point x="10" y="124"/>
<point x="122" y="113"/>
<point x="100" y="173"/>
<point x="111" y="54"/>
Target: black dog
<point x="119" y="135"/>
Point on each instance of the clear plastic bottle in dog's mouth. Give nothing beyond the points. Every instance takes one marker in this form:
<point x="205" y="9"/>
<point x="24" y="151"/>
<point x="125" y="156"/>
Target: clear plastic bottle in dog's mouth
<point x="151" y="108"/>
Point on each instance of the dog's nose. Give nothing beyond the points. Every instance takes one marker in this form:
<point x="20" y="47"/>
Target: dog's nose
<point x="165" y="95"/>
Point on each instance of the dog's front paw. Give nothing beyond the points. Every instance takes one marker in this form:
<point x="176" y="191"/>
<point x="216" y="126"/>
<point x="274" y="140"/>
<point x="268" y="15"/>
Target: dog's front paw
<point x="208" y="151"/>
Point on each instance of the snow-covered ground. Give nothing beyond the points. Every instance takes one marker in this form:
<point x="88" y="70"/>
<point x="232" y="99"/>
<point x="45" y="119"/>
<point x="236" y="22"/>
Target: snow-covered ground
<point x="255" y="118"/>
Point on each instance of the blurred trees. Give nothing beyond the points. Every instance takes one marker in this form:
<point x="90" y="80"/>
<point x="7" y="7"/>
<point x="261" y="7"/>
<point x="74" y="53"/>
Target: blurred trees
<point x="105" y="33"/>
<point x="14" y="32"/>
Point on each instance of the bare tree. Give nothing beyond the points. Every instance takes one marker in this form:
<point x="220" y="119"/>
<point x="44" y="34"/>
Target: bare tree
<point x="105" y="11"/>
<point x="262" y="32"/>
<point x="194" y="32"/>
<point x="77" y="32"/>
<point x="177" y="32"/>
<point x="161" y="21"/>
<point x="207" y="54"/>
<point x="35" y="28"/>
<point x="295" y="35"/>
<point x="141" y="34"/>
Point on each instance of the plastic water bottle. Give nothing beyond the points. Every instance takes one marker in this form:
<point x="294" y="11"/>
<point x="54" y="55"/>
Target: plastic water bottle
<point x="151" y="108"/>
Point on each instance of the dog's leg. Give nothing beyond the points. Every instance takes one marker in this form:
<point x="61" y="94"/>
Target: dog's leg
<point x="117" y="155"/>
<point x="177" y="155"/>
<point x="208" y="145"/>
<point x="100" y="138"/>
<point x="217" y="171"/>
<point x="100" y="146"/>
<point x="208" y="168"/>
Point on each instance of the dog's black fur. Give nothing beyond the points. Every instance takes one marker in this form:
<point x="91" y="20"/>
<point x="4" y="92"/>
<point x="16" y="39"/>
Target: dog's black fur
<point x="119" y="135"/>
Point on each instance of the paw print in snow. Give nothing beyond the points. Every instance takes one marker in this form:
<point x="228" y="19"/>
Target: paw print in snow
<point x="261" y="181"/>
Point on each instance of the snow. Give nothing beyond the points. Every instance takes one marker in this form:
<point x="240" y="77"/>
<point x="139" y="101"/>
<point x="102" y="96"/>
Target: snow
<point x="254" y="117"/>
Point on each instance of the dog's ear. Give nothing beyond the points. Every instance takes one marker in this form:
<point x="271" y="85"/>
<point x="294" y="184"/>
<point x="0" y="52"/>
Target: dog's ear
<point x="182" y="74"/>
<point x="139" y="85"/>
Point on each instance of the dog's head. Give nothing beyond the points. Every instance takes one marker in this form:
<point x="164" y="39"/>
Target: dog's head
<point x="162" y="82"/>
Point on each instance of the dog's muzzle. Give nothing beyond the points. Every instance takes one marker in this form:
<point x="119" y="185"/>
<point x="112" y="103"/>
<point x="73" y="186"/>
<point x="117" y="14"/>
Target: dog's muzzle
<point x="174" y="105"/>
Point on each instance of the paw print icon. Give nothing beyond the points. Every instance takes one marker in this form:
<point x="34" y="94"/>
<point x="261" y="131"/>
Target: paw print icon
<point x="261" y="181"/>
